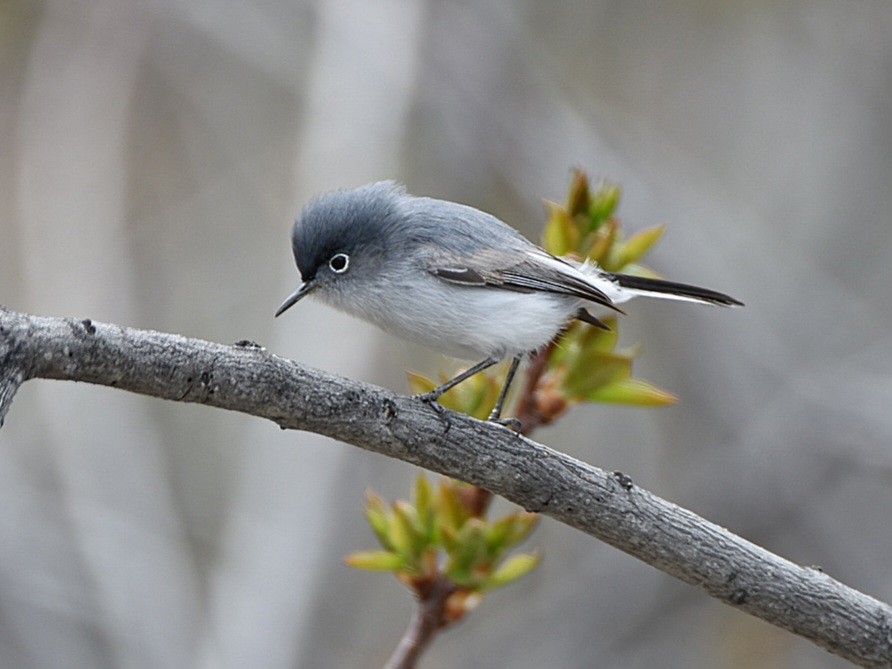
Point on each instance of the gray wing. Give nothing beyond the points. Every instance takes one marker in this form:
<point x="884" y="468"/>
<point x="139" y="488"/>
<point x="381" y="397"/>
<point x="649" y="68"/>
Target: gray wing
<point x="525" y="272"/>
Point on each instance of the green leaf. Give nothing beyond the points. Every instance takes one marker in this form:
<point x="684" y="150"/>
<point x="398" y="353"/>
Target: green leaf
<point x="404" y="530"/>
<point x="579" y="199"/>
<point x="375" y="561"/>
<point x="637" y="246"/>
<point x="419" y="384"/>
<point x="604" y="202"/>
<point x="596" y="339"/>
<point x="599" y="244"/>
<point x="523" y="526"/>
<point x="377" y="514"/>
<point x="448" y="539"/>
<point x="632" y="392"/>
<point x="469" y="552"/>
<point x="514" y="568"/>
<point x="509" y="531"/>
<point x="561" y="235"/>
<point x="424" y="502"/>
<point x="451" y="512"/>
<point x="567" y="346"/>
<point x="498" y="532"/>
<point x="594" y="369"/>
<point x="636" y="269"/>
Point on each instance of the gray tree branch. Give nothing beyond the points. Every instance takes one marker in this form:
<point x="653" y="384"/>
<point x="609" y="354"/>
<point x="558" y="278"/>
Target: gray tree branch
<point x="610" y="507"/>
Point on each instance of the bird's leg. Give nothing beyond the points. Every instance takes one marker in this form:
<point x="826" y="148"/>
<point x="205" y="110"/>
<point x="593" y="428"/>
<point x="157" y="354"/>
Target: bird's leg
<point x="432" y="397"/>
<point x="496" y="414"/>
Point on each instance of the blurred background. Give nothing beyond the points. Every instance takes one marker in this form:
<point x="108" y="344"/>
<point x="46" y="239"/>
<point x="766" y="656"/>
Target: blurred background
<point x="154" y="155"/>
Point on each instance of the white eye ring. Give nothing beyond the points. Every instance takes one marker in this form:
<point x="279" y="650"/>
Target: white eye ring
<point x="339" y="263"/>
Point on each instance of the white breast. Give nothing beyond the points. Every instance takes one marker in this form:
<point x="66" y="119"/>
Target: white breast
<point x="461" y="321"/>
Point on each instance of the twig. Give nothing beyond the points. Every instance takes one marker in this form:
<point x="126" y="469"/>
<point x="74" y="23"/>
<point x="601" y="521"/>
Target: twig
<point x="803" y="600"/>
<point x="527" y="413"/>
<point x="430" y="617"/>
<point x="527" y="408"/>
<point x="431" y="602"/>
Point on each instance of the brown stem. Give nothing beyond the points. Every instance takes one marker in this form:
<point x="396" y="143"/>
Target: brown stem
<point x="527" y="409"/>
<point x="430" y="616"/>
<point x="479" y="499"/>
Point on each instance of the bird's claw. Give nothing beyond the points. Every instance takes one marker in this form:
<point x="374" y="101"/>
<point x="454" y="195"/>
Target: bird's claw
<point x="510" y="423"/>
<point x="433" y="400"/>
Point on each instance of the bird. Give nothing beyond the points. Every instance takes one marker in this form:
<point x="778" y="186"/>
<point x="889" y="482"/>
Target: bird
<point x="454" y="279"/>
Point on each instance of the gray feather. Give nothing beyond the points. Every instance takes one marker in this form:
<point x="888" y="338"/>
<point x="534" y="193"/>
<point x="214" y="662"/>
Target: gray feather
<point x="512" y="270"/>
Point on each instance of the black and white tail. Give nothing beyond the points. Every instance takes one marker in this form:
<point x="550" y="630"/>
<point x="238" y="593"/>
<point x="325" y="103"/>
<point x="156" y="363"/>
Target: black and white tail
<point x="639" y="285"/>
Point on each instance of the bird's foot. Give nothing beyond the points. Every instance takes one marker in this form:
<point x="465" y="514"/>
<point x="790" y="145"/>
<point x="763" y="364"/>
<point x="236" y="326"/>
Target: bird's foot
<point x="432" y="399"/>
<point x="510" y="423"/>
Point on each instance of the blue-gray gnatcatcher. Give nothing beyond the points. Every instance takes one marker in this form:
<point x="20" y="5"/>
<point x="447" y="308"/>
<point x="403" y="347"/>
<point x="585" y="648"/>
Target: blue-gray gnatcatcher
<point x="453" y="278"/>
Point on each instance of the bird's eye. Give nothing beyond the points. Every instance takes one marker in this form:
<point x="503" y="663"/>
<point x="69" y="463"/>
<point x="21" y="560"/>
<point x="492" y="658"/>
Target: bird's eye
<point x="339" y="263"/>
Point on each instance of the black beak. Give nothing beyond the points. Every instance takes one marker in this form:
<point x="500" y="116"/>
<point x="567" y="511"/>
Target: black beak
<point x="305" y="289"/>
